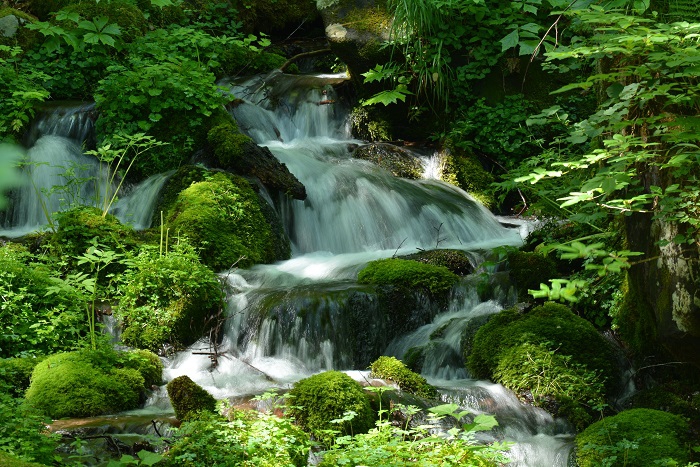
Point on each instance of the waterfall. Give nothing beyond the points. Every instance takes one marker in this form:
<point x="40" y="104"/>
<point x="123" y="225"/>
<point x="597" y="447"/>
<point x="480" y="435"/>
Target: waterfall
<point x="288" y="320"/>
<point x="57" y="176"/>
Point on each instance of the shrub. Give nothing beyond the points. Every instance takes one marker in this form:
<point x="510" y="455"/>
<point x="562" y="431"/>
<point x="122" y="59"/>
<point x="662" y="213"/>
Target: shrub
<point x="84" y="384"/>
<point x="548" y="338"/>
<point x="639" y="437"/>
<point x="168" y="301"/>
<point x="244" y="438"/>
<point x="15" y="374"/>
<point x="23" y="434"/>
<point x="222" y="217"/>
<point x="394" y="370"/>
<point x="33" y="322"/>
<point x="324" y="397"/>
<point x="189" y="398"/>
<point x="408" y="275"/>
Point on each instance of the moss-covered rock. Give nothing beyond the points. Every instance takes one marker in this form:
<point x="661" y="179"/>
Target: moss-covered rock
<point x="84" y="384"/>
<point x="530" y="269"/>
<point x="466" y="172"/>
<point x="188" y="398"/>
<point x="396" y="160"/>
<point x="222" y="218"/>
<point x="369" y="124"/>
<point x="639" y="437"/>
<point x="146" y="363"/>
<point x="13" y="30"/>
<point x="456" y="261"/>
<point x="327" y="396"/>
<point x="550" y="356"/>
<point x="408" y="275"/>
<point x="169" y="300"/>
<point x="394" y="370"/>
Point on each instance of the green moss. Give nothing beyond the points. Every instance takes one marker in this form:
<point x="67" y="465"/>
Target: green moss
<point x="146" y="363"/>
<point x="408" y="275"/>
<point x="467" y="173"/>
<point x="222" y="217"/>
<point x="327" y="396"/>
<point x="169" y="300"/>
<point x="83" y="384"/>
<point x="528" y="270"/>
<point x="8" y="460"/>
<point x="228" y="143"/>
<point x="391" y="369"/>
<point x="188" y="398"/>
<point x="15" y="374"/>
<point x="456" y="261"/>
<point x="514" y="348"/>
<point x="639" y="437"/>
<point x="369" y="125"/>
<point x="636" y="320"/>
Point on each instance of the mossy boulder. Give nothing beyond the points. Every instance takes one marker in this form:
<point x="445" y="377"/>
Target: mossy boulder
<point x="394" y="370"/>
<point x="528" y="270"/>
<point x="466" y="172"/>
<point x="85" y="383"/>
<point x="169" y="300"/>
<point x="13" y="30"/>
<point x="398" y="161"/>
<point x="319" y="399"/>
<point x="188" y="398"/>
<point x="408" y="276"/>
<point x="28" y="309"/>
<point x="456" y="261"/>
<point x="639" y="437"/>
<point x="548" y="355"/>
<point x="222" y="218"/>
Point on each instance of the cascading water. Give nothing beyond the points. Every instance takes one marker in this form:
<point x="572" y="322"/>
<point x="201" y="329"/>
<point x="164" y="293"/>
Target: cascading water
<point x="308" y="314"/>
<point x="58" y="176"/>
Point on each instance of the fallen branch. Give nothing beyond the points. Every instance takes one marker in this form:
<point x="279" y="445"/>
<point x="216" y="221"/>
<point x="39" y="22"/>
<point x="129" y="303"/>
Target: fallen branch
<point x="304" y="55"/>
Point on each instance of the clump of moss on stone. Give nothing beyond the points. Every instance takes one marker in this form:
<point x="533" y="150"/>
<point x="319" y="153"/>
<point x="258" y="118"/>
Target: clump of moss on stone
<point x="456" y="261"/>
<point x="528" y="270"/>
<point x="634" y="437"/>
<point x="515" y="349"/>
<point x="466" y="172"/>
<point x="408" y="275"/>
<point x="394" y="370"/>
<point x="188" y="398"/>
<point x="169" y="300"/>
<point x="222" y="218"/>
<point x="228" y="143"/>
<point x="145" y="362"/>
<point x="370" y="125"/>
<point x="324" y="397"/>
<point x="85" y="383"/>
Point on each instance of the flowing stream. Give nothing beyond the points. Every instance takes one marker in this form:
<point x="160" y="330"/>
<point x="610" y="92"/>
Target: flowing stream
<point x="289" y="320"/>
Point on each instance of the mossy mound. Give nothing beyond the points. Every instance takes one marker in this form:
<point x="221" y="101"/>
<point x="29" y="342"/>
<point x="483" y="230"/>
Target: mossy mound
<point x="28" y="309"/>
<point x="169" y="300"/>
<point x="408" y="275"/>
<point x="515" y="348"/>
<point x="85" y="383"/>
<point x="396" y="160"/>
<point x="240" y="438"/>
<point x="188" y="398"/>
<point x="8" y="460"/>
<point x="394" y="370"/>
<point x="228" y="143"/>
<point x="639" y="437"/>
<point x="146" y="363"/>
<point x="15" y="374"/>
<point x="83" y="227"/>
<point x="467" y="173"/>
<point x="677" y="397"/>
<point x="222" y="218"/>
<point x="528" y="270"/>
<point x="455" y="260"/>
<point x="319" y="399"/>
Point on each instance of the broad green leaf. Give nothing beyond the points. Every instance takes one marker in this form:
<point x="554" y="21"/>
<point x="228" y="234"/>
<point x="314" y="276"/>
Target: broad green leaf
<point x="510" y="41"/>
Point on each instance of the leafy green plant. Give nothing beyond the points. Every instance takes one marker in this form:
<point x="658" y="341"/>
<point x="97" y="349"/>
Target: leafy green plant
<point x="406" y="444"/>
<point x="23" y="432"/>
